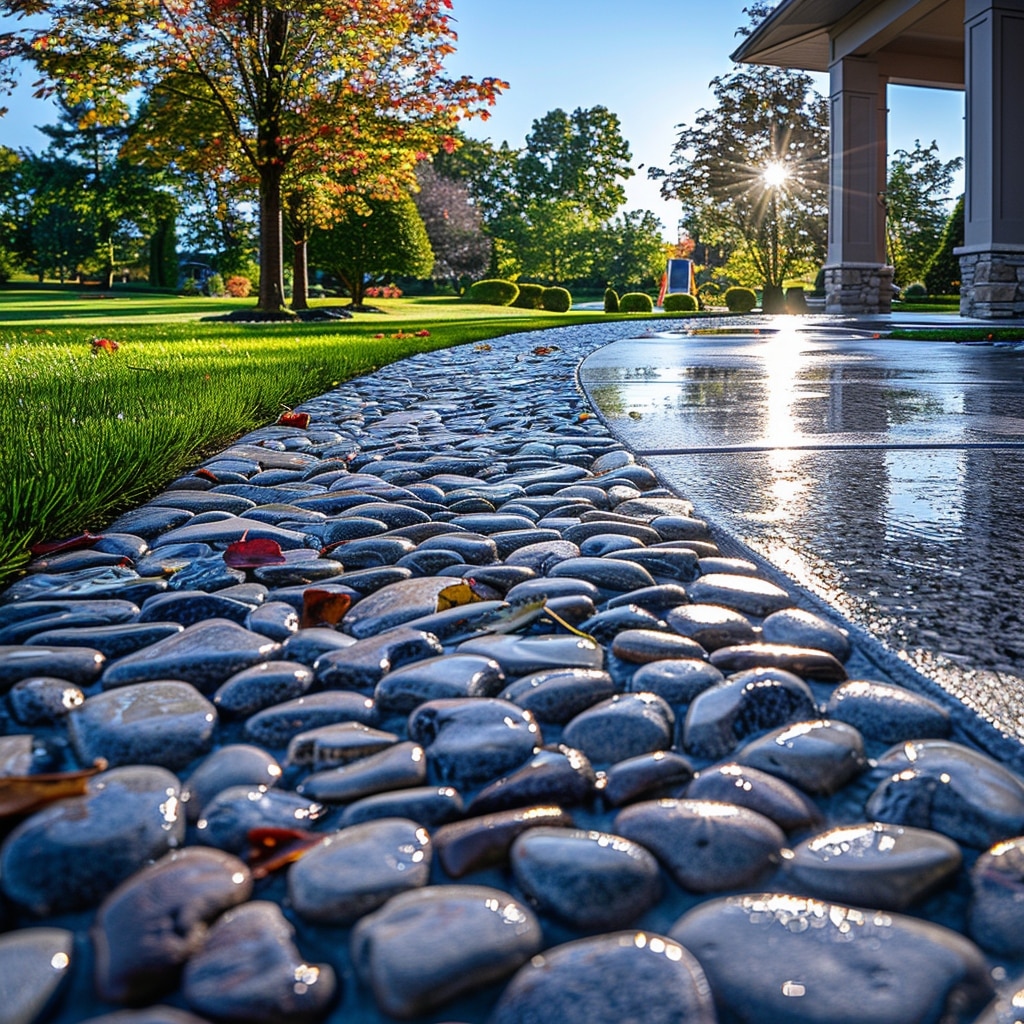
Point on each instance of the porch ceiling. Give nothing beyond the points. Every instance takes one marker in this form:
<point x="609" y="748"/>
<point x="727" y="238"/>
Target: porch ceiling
<point x="811" y="34"/>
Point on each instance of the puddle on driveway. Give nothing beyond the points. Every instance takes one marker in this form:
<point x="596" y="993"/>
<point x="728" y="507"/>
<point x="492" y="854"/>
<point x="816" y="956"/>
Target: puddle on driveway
<point x="886" y="477"/>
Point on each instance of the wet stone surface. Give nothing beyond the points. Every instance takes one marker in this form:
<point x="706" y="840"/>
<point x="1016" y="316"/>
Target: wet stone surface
<point x="523" y="703"/>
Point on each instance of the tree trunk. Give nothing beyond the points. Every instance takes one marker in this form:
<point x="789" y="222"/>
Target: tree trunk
<point x="300" y="263"/>
<point x="271" y="240"/>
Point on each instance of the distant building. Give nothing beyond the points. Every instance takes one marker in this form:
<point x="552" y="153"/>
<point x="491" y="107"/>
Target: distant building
<point x="973" y="45"/>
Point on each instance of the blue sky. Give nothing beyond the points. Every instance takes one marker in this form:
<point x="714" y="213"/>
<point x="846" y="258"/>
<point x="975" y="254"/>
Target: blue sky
<point x="650" y="62"/>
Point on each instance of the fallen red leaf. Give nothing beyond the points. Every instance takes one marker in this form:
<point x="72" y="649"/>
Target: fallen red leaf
<point x="323" y="607"/>
<point x="251" y="554"/>
<point x="543" y="350"/>
<point x="206" y="475"/>
<point x="294" y="419"/>
<point x="423" y="334"/>
<point x="53" y="547"/>
<point x="104" y="345"/>
<point x="272" y="848"/>
<point x="23" y="794"/>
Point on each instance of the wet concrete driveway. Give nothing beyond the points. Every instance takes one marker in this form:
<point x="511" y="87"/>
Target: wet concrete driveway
<point x="886" y="477"/>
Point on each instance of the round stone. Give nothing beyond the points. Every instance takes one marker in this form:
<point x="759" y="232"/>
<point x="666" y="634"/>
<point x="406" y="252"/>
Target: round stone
<point x="625" y="976"/>
<point x="358" y="869"/>
<point x="250" y="969"/>
<point x="35" y="964"/>
<point x="584" y="878"/>
<point x="623" y="726"/>
<point x="163" y="723"/>
<point x="872" y="865"/>
<point x="397" y="953"/>
<point x="705" y="846"/>
<point x="778" y="957"/>
<point x="152" y="923"/>
<point x="69" y="855"/>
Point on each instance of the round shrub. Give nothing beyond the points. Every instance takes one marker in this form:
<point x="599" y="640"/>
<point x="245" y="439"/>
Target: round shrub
<point x="556" y="300"/>
<point x="915" y="291"/>
<point x="680" y="302"/>
<point x="494" y="292"/>
<point x="740" y="300"/>
<point x="796" y="301"/>
<point x="238" y="287"/>
<point x="215" y="285"/>
<point x="531" y="296"/>
<point x="611" y="300"/>
<point x="636" y="302"/>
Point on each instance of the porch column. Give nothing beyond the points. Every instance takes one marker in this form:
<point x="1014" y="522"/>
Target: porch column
<point x="857" y="278"/>
<point x="992" y="256"/>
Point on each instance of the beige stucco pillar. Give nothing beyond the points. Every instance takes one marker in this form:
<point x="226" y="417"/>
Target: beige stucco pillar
<point x="992" y="257"/>
<point x="857" y="278"/>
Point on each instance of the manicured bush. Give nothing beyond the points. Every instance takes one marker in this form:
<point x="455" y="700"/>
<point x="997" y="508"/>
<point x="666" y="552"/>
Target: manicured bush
<point x="740" y="300"/>
<point x="611" y="300"/>
<point x="556" y="300"/>
<point x="917" y="290"/>
<point x="636" y="302"/>
<point x="680" y="302"/>
<point x="215" y="285"/>
<point x="942" y="275"/>
<point x="494" y="292"/>
<point x="531" y="296"/>
<point x="796" y="301"/>
<point x="238" y="287"/>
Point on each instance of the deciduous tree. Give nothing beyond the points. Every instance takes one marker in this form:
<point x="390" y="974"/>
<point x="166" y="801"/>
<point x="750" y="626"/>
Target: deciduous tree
<point x="373" y="238"/>
<point x="294" y="85"/>
<point x="752" y="171"/>
<point x="917" y="202"/>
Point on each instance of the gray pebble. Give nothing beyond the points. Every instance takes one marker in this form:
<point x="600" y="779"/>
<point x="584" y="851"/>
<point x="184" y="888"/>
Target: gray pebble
<point x="623" y="726"/>
<point x="69" y="855"/>
<point x="705" y="846"/>
<point x="585" y="879"/>
<point x="624" y="976"/>
<point x="249" y="969"/>
<point x="776" y="957"/>
<point x="396" y="952"/>
<point x="358" y="869"/>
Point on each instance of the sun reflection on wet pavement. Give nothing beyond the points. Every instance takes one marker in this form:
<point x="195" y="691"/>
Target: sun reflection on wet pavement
<point x="887" y="477"/>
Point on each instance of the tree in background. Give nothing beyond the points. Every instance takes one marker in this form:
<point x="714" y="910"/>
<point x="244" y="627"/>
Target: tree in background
<point x="917" y="208"/>
<point x="454" y="226"/>
<point x="752" y="171"/>
<point x="579" y="158"/>
<point x="297" y="85"/>
<point x="942" y="274"/>
<point x="373" y="239"/>
<point x="632" y="252"/>
<point x="114" y="202"/>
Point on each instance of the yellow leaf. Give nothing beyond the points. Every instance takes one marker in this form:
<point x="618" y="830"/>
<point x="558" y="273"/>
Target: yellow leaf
<point x="455" y="595"/>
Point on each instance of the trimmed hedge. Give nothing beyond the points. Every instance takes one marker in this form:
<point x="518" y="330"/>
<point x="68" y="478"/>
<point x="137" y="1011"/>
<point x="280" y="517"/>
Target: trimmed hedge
<point x="531" y="296"/>
<point x="493" y="292"/>
<point x="611" y="300"/>
<point x="556" y="300"/>
<point x="680" y="302"/>
<point x="796" y="301"/>
<point x="740" y="300"/>
<point x="917" y="290"/>
<point x="636" y="302"/>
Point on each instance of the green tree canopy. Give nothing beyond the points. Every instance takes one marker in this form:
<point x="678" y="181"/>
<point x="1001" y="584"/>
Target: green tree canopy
<point x="373" y="239"/>
<point x="295" y="86"/>
<point x="917" y="208"/>
<point x="752" y="171"/>
<point x="579" y="158"/>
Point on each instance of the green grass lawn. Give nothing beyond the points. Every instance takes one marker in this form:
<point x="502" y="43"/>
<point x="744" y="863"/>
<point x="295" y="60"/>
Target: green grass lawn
<point x="88" y="434"/>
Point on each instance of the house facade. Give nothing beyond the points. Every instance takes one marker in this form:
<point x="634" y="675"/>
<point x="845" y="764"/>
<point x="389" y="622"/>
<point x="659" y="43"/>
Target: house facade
<point x="972" y="45"/>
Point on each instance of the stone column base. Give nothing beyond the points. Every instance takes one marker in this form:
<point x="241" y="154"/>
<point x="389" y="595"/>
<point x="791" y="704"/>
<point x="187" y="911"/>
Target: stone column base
<point x="992" y="285"/>
<point x="858" y="288"/>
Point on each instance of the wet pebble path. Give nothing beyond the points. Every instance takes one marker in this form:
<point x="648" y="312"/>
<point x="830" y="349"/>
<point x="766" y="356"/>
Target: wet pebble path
<point x="513" y="739"/>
